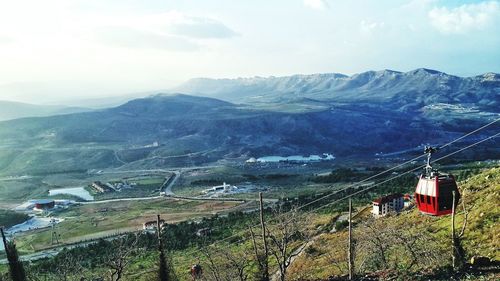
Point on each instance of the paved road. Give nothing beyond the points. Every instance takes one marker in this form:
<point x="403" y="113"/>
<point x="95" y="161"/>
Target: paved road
<point x="166" y="187"/>
<point x="55" y="250"/>
<point x="169" y="183"/>
<point x="120" y="200"/>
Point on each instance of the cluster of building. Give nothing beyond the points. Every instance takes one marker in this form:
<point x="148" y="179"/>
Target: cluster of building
<point x="298" y="159"/>
<point x="224" y="188"/>
<point x="393" y="203"/>
<point x="41" y="205"/>
<point x="100" y="187"/>
<point x="151" y="226"/>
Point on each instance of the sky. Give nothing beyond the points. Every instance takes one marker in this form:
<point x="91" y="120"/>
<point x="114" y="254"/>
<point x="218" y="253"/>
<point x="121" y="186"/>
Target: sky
<point x="53" y="51"/>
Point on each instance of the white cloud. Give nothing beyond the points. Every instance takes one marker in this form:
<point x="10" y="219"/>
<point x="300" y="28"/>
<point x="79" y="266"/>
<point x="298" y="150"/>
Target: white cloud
<point x="465" y="18"/>
<point x="173" y="30"/>
<point x="203" y="28"/>
<point x="133" y="38"/>
<point x="370" y="26"/>
<point x="5" y="39"/>
<point x="316" y="4"/>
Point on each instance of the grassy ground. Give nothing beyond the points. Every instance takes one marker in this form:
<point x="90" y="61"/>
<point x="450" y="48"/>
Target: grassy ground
<point x="481" y="193"/>
<point x="98" y="220"/>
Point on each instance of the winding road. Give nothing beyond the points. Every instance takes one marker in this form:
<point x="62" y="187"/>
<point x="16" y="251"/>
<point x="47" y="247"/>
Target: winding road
<point x="165" y="191"/>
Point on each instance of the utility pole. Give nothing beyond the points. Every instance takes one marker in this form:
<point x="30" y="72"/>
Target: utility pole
<point x="453" y="249"/>
<point x="265" y="263"/>
<point x="349" y="249"/>
<point x="158" y="229"/>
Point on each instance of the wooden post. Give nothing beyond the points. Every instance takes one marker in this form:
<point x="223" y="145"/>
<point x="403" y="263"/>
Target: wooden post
<point x="265" y="263"/>
<point x="349" y="249"/>
<point x="158" y="229"/>
<point x="453" y="250"/>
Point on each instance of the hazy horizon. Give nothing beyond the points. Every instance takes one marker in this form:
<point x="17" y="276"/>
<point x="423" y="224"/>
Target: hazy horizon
<point x="57" y="51"/>
<point x="75" y="100"/>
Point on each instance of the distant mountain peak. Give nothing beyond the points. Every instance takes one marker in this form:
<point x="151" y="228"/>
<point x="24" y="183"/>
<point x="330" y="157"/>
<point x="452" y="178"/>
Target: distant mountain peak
<point x="405" y="90"/>
<point x="426" y="71"/>
<point x="490" y="76"/>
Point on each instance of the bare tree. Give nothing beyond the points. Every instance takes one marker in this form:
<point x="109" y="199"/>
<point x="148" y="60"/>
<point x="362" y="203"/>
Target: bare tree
<point x="68" y="267"/>
<point x="282" y="235"/>
<point x="261" y="257"/>
<point x="212" y="263"/>
<point x="121" y="256"/>
<point x="227" y="265"/>
<point x="382" y="245"/>
<point x="337" y="257"/>
<point x="458" y="251"/>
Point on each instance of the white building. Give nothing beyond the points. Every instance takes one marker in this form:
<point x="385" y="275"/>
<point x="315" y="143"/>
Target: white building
<point x="390" y="203"/>
<point x="221" y="188"/>
<point x="151" y="225"/>
<point x="251" y="160"/>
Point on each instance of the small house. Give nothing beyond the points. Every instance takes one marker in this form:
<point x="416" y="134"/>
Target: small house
<point x="151" y="225"/>
<point x="203" y="232"/>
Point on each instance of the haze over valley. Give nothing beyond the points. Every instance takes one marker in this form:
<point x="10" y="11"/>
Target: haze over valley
<point x="288" y="140"/>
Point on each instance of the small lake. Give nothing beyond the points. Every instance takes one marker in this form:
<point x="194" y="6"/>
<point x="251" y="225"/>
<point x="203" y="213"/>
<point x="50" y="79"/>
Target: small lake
<point x="76" y="191"/>
<point x="296" y="158"/>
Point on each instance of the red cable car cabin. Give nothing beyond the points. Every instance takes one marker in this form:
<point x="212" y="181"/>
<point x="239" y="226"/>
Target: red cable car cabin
<point x="434" y="194"/>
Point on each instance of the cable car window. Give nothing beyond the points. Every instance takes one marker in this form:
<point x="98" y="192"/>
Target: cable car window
<point x="428" y="200"/>
<point x="422" y="199"/>
<point x="445" y="198"/>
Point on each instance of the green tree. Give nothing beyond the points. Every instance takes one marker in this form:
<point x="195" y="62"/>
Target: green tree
<point x="16" y="268"/>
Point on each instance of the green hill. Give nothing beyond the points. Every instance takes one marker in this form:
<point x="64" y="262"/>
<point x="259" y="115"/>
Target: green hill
<point x="195" y="130"/>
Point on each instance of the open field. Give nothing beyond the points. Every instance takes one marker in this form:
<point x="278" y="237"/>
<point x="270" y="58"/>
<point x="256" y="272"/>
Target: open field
<point x="144" y="185"/>
<point x="14" y="191"/>
<point x="85" y="222"/>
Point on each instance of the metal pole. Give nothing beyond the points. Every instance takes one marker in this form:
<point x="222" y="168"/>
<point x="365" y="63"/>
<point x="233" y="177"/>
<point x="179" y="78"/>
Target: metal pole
<point x="349" y="249"/>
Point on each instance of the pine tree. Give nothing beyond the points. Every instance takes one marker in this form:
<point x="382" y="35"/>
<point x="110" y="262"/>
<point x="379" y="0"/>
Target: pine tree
<point x="163" y="268"/>
<point x="165" y="271"/>
<point x="16" y="268"/>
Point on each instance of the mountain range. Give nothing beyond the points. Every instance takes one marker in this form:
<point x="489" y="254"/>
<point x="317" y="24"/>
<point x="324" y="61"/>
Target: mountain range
<point x="14" y="110"/>
<point x="349" y="116"/>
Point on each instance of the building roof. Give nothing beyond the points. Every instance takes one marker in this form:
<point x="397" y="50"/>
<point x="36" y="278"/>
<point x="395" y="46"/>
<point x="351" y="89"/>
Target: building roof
<point x="43" y="201"/>
<point x="387" y="198"/>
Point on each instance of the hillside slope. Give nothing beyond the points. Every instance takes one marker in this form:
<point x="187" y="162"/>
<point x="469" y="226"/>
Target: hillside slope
<point x="213" y="130"/>
<point x="481" y="194"/>
<point x="353" y="117"/>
